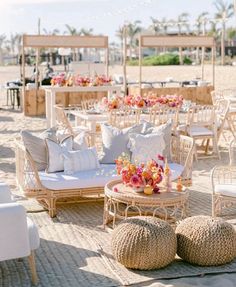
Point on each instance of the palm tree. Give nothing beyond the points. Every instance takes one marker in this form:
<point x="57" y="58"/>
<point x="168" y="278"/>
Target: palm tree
<point x="85" y="32"/>
<point x="72" y="31"/>
<point x="182" y="21"/>
<point x="120" y="35"/>
<point x="201" y="22"/>
<point x="53" y="32"/>
<point x="231" y="35"/>
<point x="224" y="12"/>
<point x="133" y="29"/>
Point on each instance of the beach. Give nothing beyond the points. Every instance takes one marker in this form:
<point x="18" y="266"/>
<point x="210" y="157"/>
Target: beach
<point x="13" y="121"/>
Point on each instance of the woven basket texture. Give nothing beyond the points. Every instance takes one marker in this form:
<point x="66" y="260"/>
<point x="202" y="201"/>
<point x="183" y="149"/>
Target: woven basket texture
<point x="144" y="243"/>
<point x="206" y="241"/>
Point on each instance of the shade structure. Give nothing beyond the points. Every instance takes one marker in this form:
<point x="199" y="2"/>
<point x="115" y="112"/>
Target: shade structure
<point x="154" y="41"/>
<point x="61" y="41"/>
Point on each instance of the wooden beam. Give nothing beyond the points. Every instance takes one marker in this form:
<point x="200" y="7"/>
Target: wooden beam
<point x="55" y="41"/>
<point x="152" y="41"/>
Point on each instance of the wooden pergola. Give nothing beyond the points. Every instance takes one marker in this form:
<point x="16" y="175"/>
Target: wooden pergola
<point x="154" y="41"/>
<point x="55" y="41"/>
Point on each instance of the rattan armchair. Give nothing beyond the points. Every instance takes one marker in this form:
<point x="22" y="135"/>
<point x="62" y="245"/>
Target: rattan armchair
<point x="223" y="180"/>
<point x="64" y="124"/>
<point x="182" y="149"/>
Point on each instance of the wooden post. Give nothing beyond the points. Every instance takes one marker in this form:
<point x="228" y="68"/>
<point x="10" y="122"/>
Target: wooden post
<point x="124" y="59"/>
<point x="107" y="61"/>
<point x="213" y="65"/>
<point x="140" y="64"/>
<point x="23" y="75"/>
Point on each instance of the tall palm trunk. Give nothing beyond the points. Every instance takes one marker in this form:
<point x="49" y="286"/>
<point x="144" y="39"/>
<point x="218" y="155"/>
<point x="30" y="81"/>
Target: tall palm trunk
<point x="223" y="44"/>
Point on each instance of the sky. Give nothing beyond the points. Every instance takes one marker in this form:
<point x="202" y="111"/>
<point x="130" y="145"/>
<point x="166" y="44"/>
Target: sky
<point x="104" y="16"/>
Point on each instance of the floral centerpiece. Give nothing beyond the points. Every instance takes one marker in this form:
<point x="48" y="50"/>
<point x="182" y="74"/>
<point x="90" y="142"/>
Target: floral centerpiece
<point x="101" y="80"/>
<point x="59" y="80"/>
<point x="112" y="103"/>
<point x="82" y="81"/>
<point x="62" y="79"/>
<point x="139" y="176"/>
<point x="170" y="100"/>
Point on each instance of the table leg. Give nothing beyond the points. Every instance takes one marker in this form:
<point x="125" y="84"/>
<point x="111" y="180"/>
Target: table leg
<point x="53" y="114"/>
<point x="48" y="109"/>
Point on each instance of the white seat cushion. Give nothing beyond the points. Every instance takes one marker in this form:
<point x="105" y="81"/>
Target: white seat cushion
<point x="33" y="235"/>
<point x="82" y="179"/>
<point x="5" y="194"/>
<point x="226" y="189"/>
<point x="199" y="131"/>
<point x="176" y="170"/>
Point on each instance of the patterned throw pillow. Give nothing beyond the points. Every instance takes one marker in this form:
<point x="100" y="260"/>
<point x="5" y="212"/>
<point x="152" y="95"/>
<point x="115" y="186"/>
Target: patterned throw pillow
<point x="55" y="153"/>
<point x="80" y="160"/>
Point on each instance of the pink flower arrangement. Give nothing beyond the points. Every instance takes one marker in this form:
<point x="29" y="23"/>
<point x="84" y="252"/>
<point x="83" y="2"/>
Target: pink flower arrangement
<point x="111" y="104"/>
<point x="141" y="175"/>
<point x="82" y="81"/>
<point x="170" y="100"/>
<point x="59" y="80"/>
<point x="101" y="80"/>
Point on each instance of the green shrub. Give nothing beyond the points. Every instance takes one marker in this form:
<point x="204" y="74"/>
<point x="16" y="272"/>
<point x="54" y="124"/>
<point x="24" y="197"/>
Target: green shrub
<point x="160" y="60"/>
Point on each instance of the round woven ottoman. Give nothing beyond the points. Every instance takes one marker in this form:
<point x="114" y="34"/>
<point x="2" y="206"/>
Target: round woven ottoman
<point x="206" y="241"/>
<point x="144" y="243"/>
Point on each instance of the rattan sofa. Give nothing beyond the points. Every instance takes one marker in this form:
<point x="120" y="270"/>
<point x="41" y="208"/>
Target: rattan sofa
<point x="30" y="181"/>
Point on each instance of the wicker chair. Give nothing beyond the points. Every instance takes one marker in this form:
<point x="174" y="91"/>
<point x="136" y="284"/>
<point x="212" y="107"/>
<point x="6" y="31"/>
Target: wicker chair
<point x="222" y="109"/>
<point x="64" y="124"/>
<point x="201" y="125"/>
<point x="182" y="149"/>
<point x="223" y="179"/>
<point x="227" y="94"/>
<point x="123" y="118"/>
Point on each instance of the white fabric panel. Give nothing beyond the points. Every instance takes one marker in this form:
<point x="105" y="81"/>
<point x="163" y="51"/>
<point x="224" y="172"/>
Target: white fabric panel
<point x="146" y="147"/>
<point x="82" y="179"/>
<point x="226" y="189"/>
<point x="33" y="234"/>
<point x="14" y="237"/>
<point x="5" y="193"/>
<point x="176" y="170"/>
<point x="80" y="160"/>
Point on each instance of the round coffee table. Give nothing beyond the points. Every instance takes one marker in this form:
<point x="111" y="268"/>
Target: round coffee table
<point x="121" y="202"/>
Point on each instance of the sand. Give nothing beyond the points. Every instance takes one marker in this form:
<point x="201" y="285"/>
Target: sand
<point x="13" y="121"/>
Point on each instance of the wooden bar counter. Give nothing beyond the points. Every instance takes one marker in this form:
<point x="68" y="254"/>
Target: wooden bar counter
<point x="199" y="95"/>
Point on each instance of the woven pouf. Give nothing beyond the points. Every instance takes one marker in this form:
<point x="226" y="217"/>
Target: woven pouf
<point x="144" y="243"/>
<point x="206" y="241"/>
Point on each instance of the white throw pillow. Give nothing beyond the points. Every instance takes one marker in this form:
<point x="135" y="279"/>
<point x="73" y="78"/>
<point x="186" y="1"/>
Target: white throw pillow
<point x="55" y="152"/>
<point x="80" y="160"/>
<point x="146" y="147"/>
<point x="79" y="141"/>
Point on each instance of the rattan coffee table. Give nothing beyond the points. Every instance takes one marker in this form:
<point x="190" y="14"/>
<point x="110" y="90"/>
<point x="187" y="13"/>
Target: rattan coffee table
<point x="121" y="202"/>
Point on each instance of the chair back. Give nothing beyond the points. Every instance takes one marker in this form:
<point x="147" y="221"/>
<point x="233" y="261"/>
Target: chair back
<point x="161" y="114"/>
<point x="89" y="104"/>
<point x="203" y="115"/>
<point x="125" y="117"/>
<point x="62" y="120"/>
<point x="232" y="153"/>
<point x="222" y="109"/>
<point x="216" y="95"/>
